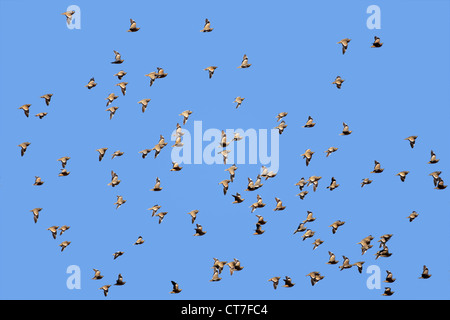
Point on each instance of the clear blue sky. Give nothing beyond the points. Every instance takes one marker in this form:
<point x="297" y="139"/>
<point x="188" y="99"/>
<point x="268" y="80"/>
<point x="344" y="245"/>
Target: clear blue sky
<point x="389" y="94"/>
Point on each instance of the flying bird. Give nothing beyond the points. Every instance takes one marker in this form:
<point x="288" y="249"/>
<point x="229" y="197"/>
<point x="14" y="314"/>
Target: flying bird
<point x="344" y="43"/>
<point x="133" y="27"/>
<point x="207" y="27"/>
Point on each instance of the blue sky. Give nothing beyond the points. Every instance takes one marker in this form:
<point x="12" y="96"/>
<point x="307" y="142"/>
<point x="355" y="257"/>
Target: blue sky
<point x="389" y="94"/>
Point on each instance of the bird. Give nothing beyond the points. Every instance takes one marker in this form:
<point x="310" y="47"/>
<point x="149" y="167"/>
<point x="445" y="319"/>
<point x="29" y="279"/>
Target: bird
<point x="309" y="123"/>
<point x="359" y="265"/>
<point x="301" y="227"/>
<point x="54" y="231"/>
<point x="308" y="234"/>
<point x="301" y="183"/>
<point x="112" y="111"/>
<point x="366" y="240"/>
<point x="161" y="216"/>
<point x="63" y="173"/>
<point x="185" y="115"/>
<point x="237" y="137"/>
<point x="199" y="230"/>
<point x="152" y="75"/>
<point x="175" y="287"/>
<point x="377" y="168"/>
<point x="258" y="183"/>
<point x="275" y="281"/>
<point x="120" y="74"/>
<point x="101" y="152"/>
<point x="440" y="184"/>
<point x="244" y="63"/>
<point x="97" y="275"/>
<point x="338" y="82"/>
<point x="139" y="241"/>
<point x="425" y="273"/>
<point x="215" y="275"/>
<point x="117" y="153"/>
<point x="157" y="186"/>
<point x="47" y="98"/>
<point x="175" y="166"/>
<point x="257" y="204"/>
<point x="333" y="185"/>
<point x="345" y="131"/>
<point x="63" y="229"/>
<point x="120" y="201"/>
<point x="210" y="70"/>
<point x="123" y="87"/>
<point x="412" y="140"/>
<point x="281" y="127"/>
<point x="133" y="27"/>
<point x="266" y="173"/>
<point x="279" y="206"/>
<point x="224" y="154"/>
<point x="308" y="156"/>
<point x="388" y="292"/>
<point x="117" y="58"/>
<point x="315" y="277"/>
<point x="119" y="281"/>
<point x="384" y="252"/>
<point x="433" y="158"/>
<point x="111" y="97"/>
<point x="145" y="152"/>
<point x="105" y="289"/>
<point x="332" y="259"/>
<point x="64" y="245"/>
<point x="317" y="243"/>
<point x="64" y="161"/>
<point x="68" y="15"/>
<point x="335" y="225"/>
<point x="345" y="264"/>
<point x="314" y="180"/>
<point x="330" y="150"/>
<point x="193" y="215"/>
<point x="23" y="146"/>
<point x="117" y="254"/>
<point x="154" y="209"/>
<point x="239" y="101"/>
<point x="114" y="179"/>
<point x="288" y="282"/>
<point x="36" y="214"/>
<point x="237" y="198"/>
<point x="309" y="217"/>
<point x="225" y="183"/>
<point x="178" y="142"/>
<point x="384" y="239"/>
<point x="377" y="42"/>
<point x="365" y="181"/>
<point x="281" y="115"/>
<point x="91" y="84"/>
<point x="302" y="194"/>
<point x="232" y="171"/>
<point x="258" y="230"/>
<point x="435" y="176"/>
<point x="344" y="43"/>
<point x="41" y="115"/>
<point x="261" y="220"/>
<point x="207" y="27"/>
<point x="26" y="109"/>
<point x="402" y="175"/>
<point x="38" y="181"/>
<point x="389" y="277"/>
<point x="219" y="265"/>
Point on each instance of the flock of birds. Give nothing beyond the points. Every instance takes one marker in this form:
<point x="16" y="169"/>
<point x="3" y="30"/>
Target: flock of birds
<point x="303" y="183"/>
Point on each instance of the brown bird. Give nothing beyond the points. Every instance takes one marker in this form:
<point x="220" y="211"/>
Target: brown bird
<point x="232" y="170"/>
<point x="384" y="239"/>
<point x="279" y="206"/>
<point x="117" y="153"/>
<point x="237" y="198"/>
<point x="199" y="230"/>
<point x="54" y="231"/>
<point x="435" y="176"/>
<point x="219" y="265"/>
<point x="91" y="83"/>
<point x="159" y="146"/>
<point x="157" y="186"/>
<point x="345" y="130"/>
<point x="38" y="181"/>
<point x="47" y="98"/>
<point x="359" y="265"/>
<point x="161" y="216"/>
<point x="258" y="203"/>
<point x="331" y="150"/>
<point x="333" y="185"/>
<point x="105" y="289"/>
<point x="210" y="70"/>
<point x="402" y="175"/>
<point x="258" y="230"/>
<point x="123" y="87"/>
<point x="111" y="97"/>
<point x="145" y="152"/>
<point x="114" y="179"/>
<point x="64" y="161"/>
<point x="244" y="63"/>
<point x="117" y="254"/>
<point x="281" y="115"/>
<point x="425" y="273"/>
<point x="117" y="58"/>
<point x="335" y="225"/>
<point x="175" y="288"/>
<point x="225" y="183"/>
<point x="376" y="43"/>
<point x="101" y="152"/>
<point x="64" y="245"/>
<point x="332" y="259"/>
<point x="193" y="215"/>
<point x="301" y="227"/>
<point x="63" y="173"/>
<point x="388" y="292"/>
<point x="288" y="282"/>
<point x="315" y="277"/>
<point x="120" y="74"/>
<point x="175" y="166"/>
<point x="97" y="275"/>
<point x="144" y="103"/>
<point x="308" y="234"/>
<point x="26" y="109"/>
<point x="317" y="243"/>
<point x="314" y="180"/>
<point x="260" y="220"/>
<point x="309" y="123"/>
<point x="112" y="111"/>
<point x="275" y="281"/>
<point x="301" y="183"/>
<point x="365" y="181"/>
<point x="384" y="252"/>
<point x="133" y="27"/>
<point x="338" y="82"/>
<point x="389" y="277"/>
<point x="63" y="229"/>
<point x="346" y="264"/>
<point x="207" y="27"/>
<point x="68" y="15"/>
<point x="154" y="209"/>
<point x="344" y="43"/>
<point x="308" y="155"/>
<point x="377" y="168"/>
<point x="215" y="275"/>
<point x="309" y="217"/>
<point x="281" y="127"/>
<point x="239" y="101"/>
<point x="139" y="241"/>
<point x="185" y="115"/>
<point x="440" y="184"/>
<point x="120" y="201"/>
<point x="119" y="281"/>
<point x="412" y="140"/>
<point x="433" y="158"/>
<point x="302" y="194"/>
<point x="41" y="115"/>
